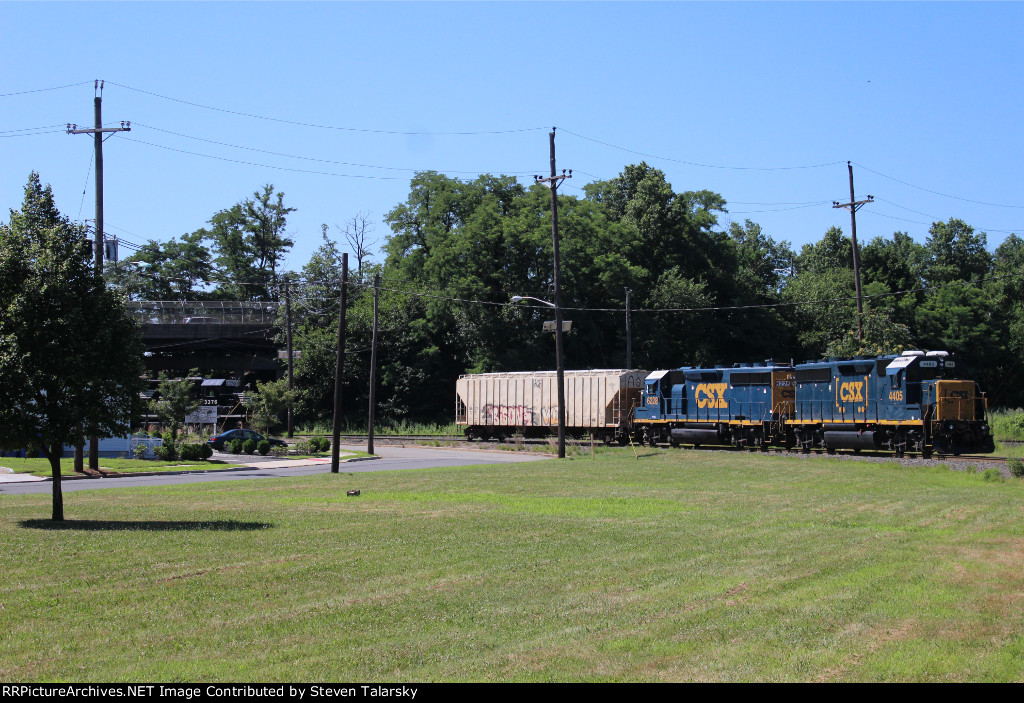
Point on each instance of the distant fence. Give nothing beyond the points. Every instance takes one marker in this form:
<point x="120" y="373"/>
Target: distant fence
<point x="202" y="312"/>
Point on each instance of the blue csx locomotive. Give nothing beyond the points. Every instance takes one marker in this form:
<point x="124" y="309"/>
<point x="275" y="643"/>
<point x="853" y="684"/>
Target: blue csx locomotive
<point x="914" y="402"/>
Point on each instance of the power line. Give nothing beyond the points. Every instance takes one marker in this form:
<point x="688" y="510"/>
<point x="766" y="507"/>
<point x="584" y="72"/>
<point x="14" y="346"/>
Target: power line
<point x="330" y="127"/>
<point x="310" y="158"/>
<point x="935" y="218"/>
<point x="42" y="90"/>
<point x="693" y="163"/>
<point x="935" y="192"/>
<point x="278" y="168"/>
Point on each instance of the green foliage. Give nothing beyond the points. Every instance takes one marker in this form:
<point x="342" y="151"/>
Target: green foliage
<point x="207" y="451"/>
<point x="166" y="452"/>
<point x="249" y="446"/>
<point x="991" y="476"/>
<point x="1008" y="424"/>
<point x="266" y="403"/>
<point x="70" y="358"/>
<point x="263" y="447"/>
<point x="250" y="242"/>
<point x="173" y="400"/>
<point x="956" y="253"/>
<point x="235" y="446"/>
<point x="192" y="452"/>
<point x="171" y="270"/>
<point x="1016" y="467"/>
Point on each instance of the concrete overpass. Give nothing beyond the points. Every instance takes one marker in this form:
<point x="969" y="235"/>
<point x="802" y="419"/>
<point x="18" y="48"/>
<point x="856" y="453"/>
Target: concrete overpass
<point x="220" y="338"/>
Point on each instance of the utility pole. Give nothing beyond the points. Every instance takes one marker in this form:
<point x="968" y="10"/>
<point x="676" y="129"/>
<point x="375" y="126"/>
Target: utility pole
<point x="291" y="360"/>
<point x="97" y="248"/>
<point x="339" y="366"/>
<point x="629" y="332"/>
<point x="553" y="182"/>
<point x="373" y="366"/>
<point x="853" y="206"/>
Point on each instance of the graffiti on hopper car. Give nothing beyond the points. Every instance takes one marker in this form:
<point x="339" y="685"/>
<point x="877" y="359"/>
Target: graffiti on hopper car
<point x="520" y="415"/>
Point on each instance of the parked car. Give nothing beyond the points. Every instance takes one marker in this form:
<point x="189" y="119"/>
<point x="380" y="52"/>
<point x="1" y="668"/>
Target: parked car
<point x="218" y="441"/>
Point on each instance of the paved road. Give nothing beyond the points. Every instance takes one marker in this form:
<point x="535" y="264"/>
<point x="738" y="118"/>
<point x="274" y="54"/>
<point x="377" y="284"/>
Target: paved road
<point x="391" y="459"/>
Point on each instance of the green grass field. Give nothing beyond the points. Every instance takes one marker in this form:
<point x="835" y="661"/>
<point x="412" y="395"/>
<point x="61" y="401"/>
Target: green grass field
<point x="41" y="467"/>
<point x="683" y="565"/>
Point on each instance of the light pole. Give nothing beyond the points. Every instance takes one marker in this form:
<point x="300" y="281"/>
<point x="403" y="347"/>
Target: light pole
<point x="559" y="370"/>
<point x="552" y="183"/>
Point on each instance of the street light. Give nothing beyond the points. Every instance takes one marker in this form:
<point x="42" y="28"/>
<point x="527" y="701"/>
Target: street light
<point x="521" y="298"/>
<point x="559" y="369"/>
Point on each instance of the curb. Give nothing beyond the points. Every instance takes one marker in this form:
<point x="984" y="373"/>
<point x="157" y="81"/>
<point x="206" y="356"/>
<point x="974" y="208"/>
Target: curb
<point x="126" y="474"/>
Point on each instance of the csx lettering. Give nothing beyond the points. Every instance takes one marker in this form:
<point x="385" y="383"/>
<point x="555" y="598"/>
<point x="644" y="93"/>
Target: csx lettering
<point x="852" y="392"/>
<point x="710" y="395"/>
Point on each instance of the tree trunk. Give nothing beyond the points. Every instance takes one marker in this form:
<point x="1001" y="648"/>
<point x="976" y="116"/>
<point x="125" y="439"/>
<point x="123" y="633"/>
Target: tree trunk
<point x="55" y="454"/>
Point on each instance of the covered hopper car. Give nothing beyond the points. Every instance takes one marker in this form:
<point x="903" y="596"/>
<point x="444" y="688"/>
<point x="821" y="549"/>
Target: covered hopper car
<point x="599" y="403"/>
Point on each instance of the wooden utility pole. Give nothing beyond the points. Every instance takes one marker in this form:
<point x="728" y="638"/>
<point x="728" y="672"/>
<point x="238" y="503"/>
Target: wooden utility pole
<point x="97" y="132"/>
<point x="339" y="366"/>
<point x="373" y="367"/>
<point x="629" y="332"/>
<point x="553" y="182"/>
<point x="291" y="360"/>
<point x="853" y="206"/>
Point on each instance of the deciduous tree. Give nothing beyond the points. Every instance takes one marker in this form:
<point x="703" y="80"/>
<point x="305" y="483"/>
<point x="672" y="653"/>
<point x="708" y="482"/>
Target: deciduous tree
<point x="70" y="358"/>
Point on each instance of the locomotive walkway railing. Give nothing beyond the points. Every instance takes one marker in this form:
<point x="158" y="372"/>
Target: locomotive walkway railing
<point x="206" y="312"/>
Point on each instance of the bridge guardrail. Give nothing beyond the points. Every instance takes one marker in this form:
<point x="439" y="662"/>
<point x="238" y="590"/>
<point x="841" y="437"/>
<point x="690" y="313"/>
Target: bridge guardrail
<point x="207" y="312"/>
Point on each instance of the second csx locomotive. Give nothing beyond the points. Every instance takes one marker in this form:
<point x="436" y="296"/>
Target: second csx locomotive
<point x="913" y="402"/>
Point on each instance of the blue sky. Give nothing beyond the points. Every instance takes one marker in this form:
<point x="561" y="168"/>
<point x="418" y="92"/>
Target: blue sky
<point x="337" y="104"/>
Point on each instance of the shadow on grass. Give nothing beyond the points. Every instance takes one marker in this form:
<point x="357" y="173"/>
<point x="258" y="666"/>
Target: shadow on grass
<point x="145" y="525"/>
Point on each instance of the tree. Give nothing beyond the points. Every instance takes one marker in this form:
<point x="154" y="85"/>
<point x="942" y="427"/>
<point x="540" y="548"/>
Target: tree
<point x="266" y="403"/>
<point x="176" y="400"/>
<point x="822" y="295"/>
<point x="171" y="270"/>
<point x="250" y="241"/>
<point x="70" y="358"/>
<point x="956" y="253"/>
<point x="358" y="231"/>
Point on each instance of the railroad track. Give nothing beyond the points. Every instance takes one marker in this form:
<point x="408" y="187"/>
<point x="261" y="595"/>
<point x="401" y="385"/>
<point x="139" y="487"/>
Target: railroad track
<point x="781" y="451"/>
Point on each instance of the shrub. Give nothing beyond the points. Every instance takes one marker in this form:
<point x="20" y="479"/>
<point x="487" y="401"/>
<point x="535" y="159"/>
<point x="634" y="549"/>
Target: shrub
<point x="165" y="453"/>
<point x="249" y="446"/>
<point x="235" y="446"/>
<point x="195" y="452"/>
<point x="1016" y="467"/>
<point x="263" y="447"/>
<point x="989" y="475"/>
<point x="170" y="449"/>
<point x="319" y="444"/>
<point x="140" y="451"/>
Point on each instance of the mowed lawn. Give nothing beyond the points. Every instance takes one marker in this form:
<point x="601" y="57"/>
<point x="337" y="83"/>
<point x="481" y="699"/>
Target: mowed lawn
<point x="679" y="566"/>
